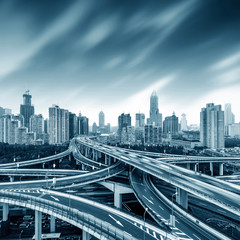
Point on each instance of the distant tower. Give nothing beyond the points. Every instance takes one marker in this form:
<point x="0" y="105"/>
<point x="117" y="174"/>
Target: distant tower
<point x="183" y="122"/>
<point x="101" y="119"/>
<point x="155" y="116"/>
<point x="212" y="126"/>
<point x="26" y="109"/>
<point x="229" y="117"/>
<point x="140" y="120"/>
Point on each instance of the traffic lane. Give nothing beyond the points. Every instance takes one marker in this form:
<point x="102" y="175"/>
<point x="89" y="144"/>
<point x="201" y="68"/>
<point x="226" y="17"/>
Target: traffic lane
<point x="110" y="217"/>
<point x="225" y="196"/>
<point x="163" y="211"/>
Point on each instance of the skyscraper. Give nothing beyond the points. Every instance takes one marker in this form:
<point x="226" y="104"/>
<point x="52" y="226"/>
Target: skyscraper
<point x="183" y="122"/>
<point x="140" y="120"/>
<point x="5" y="128"/>
<point x="94" y="128"/>
<point x="155" y="117"/>
<point x="212" y="126"/>
<point x="101" y="119"/>
<point x="58" y="125"/>
<point x="26" y="109"/>
<point x="229" y="117"/>
<point x="124" y="120"/>
<point x="72" y="125"/>
<point x="36" y="125"/>
<point x="83" y="125"/>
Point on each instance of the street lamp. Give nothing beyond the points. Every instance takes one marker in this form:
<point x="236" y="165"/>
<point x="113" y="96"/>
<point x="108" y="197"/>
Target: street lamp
<point x="146" y="209"/>
<point x="172" y="218"/>
<point x="20" y="235"/>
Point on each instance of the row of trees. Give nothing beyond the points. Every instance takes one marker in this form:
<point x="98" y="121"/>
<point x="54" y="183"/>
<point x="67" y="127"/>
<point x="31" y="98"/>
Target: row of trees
<point x="11" y="153"/>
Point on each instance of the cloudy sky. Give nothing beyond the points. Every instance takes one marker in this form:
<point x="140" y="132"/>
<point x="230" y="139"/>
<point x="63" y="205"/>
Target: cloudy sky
<point x="111" y="54"/>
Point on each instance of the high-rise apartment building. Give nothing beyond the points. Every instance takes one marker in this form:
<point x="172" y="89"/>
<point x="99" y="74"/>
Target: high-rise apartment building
<point x="170" y="125"/>
<point x="229" y="117"/>
<point x="124" y="120"/>
<point x="101" y="119"/>
<point x="140" y="120"/>
<point x="155" y="117"/>
<point x="26" y="109"/>
<point x="58" y="125"/>
<point x="36" y="125"/>
<point x="83" y="125"/>
<point x="212" y="126"/>
<point x="21" y="134"/>
<point x="5" y="128"/>
<point x="152" y="134"/>
<point x="2" y="111"/>
<point x="94" y="128"/>
<point x="183" y="122"/>
<point x="72" y="125"/>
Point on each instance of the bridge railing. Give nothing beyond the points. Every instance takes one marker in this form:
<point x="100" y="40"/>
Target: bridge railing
<point x="85" y="221"/>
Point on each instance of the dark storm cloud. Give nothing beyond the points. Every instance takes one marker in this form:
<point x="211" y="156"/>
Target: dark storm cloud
<point x="99" y="53"/>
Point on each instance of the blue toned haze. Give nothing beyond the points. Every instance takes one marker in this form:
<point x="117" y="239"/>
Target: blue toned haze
<point x="110" y="55"/>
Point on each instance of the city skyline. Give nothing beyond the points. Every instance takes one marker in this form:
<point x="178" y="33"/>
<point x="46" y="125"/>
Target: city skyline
<point x="86" y="57"/>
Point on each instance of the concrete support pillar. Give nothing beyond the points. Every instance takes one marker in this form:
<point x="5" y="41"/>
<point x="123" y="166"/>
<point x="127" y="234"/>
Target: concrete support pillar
<point x="38" y="225"/>
<point x="182" y="198"/>
<point x="83" y="167"/>
<point x="195" y="167"/>
<point x="109" y="160"/>
<point x="11" y="178"/>
<point x="106" y="159"/>
<point x="52" y="224"/>
<point x="5" y="211"/>
<point x="69" y="157"/>
<point x="117" y="197"/>
<point x="114" y="159"/>
<point x="220" y="169"/>
<point x="188" y="166"/>
<point x="96" y="155"/>
<point x="211" y="168"/>
<point x="85" y="235"/>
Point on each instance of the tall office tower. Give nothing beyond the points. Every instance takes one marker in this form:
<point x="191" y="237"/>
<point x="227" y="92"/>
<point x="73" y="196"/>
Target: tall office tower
<point x="36" y="125"/>
<point x="83" y="125"/>
<point x="170" y="125"/>
<point x="212" y="126"/>
<point x="19" y="118"/>
<point x="46" y="122"/>
<point x="2" y="111"/>
<point x="101" y="119"/>
<point x="58" y="125"/>
<point x="26" y="109"/>
<point x="5" y="126"/>
<point x="155" y="116"/>
<point x="72" y="125"/>
<point x="124" y="120"/>
<point x="183" y="122"/>
<point x="21" y="135"/>
<point x="13" y="128"/>
<point x="94" y="128"/>
<point x="229" y="117"/>
<point x="140" y="120"/>
<point x="152" y="134"/>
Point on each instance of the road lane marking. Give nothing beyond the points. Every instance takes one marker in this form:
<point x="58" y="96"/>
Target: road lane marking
<point x="55" y="198"/>
<point x="118" y="222"/>
<point x="161" y="207"/>
<point x="197" y="236"/>
<point x="148" y="200"/>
